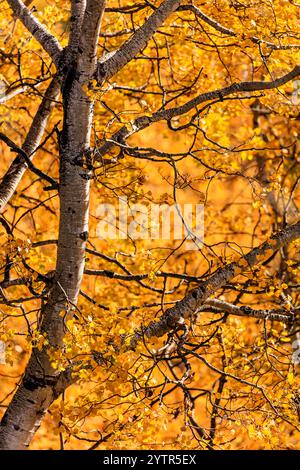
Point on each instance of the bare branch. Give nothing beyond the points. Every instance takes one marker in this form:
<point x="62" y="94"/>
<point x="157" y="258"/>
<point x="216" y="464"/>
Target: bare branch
<point x="28" y="162"/>
<point x="136" y="277"/>
<point x="191" y="303"/>
<point x="16" y="170"/>
<point x="89" y="36"/>
<point x="281" y="315"/>
<point x="138" y="41"/>
<point x="222" y="92"/>
<point x="38" y="31"/>
<point x="167" y="114"/>
<point x="6" y="96"/>
<point x="229" y="32"/>
<point x="214" y="24"/>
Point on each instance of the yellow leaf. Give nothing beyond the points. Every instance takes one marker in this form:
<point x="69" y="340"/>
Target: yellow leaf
<point x="290" y="378"/>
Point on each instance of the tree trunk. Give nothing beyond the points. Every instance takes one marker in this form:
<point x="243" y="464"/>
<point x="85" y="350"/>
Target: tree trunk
<point x="37" y="390"/>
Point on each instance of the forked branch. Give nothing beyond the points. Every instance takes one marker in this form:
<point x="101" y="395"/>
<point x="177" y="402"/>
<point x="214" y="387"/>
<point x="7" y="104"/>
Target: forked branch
<point x="138" y="41"/>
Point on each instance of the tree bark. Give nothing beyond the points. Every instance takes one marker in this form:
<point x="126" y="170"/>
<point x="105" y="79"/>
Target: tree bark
<point x="38" y="388"/>
<point x="38" y="31"/>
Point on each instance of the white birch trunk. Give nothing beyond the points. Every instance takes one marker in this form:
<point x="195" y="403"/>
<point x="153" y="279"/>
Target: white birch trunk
<point x="39" y="385"/>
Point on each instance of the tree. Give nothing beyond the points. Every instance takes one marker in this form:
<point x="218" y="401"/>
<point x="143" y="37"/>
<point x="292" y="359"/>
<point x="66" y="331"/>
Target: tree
<point x="150" y="102"/>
